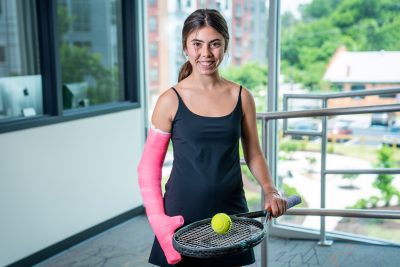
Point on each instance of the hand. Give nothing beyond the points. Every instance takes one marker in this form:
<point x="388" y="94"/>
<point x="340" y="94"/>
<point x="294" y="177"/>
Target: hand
<point x="275" y="203"/>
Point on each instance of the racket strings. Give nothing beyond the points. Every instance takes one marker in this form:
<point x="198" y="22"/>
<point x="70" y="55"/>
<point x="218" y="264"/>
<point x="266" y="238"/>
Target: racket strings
<point x="202" y="236"/>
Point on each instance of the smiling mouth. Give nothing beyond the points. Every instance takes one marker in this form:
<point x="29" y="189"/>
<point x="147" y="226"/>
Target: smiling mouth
<point x="206" y="63"/>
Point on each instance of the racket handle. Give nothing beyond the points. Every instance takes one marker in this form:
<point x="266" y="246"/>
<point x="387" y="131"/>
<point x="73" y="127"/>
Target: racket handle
<point x="291" y="201"/>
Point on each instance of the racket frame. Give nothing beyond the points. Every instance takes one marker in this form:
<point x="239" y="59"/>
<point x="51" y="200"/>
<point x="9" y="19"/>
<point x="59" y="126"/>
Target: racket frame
<point x="232" y="249"/>
<point x="222" y="251"/>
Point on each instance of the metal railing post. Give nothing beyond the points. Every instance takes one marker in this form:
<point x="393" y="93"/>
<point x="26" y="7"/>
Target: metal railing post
<point x="323" y="241"/>
<point x="264" y="243"/>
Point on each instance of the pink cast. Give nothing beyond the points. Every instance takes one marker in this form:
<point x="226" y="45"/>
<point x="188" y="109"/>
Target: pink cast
<point x="149" y="172"/>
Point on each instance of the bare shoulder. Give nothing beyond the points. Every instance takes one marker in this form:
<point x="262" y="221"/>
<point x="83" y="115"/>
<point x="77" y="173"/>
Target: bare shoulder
<point x="248" y="104"/>
<point x="165" y="110"/>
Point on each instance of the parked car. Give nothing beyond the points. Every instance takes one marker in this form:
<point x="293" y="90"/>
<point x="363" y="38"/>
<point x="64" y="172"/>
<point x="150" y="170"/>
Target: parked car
<point x="311" y="126"/>
<point x="383" y="119"/>
<point x="339" y="131"/>
<point x="392" y="137"/>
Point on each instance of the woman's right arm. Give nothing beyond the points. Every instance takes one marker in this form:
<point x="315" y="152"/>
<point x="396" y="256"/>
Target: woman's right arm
<point x="149" y="177"/>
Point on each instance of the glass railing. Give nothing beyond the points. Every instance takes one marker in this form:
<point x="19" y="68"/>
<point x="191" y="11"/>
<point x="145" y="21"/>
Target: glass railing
<point x="382" y="209"/>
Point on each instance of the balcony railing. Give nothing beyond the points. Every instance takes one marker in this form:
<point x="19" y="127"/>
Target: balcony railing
<point x="269" y="149"/>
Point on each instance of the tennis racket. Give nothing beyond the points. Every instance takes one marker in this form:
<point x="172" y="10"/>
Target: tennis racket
<point x="199" y="240"/>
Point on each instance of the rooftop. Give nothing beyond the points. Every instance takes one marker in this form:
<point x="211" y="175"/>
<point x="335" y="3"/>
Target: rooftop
<point x="364" y="67"/>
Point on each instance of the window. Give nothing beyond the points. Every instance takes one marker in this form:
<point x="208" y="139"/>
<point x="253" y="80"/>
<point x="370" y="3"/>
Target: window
<point x="238" y="31"/>
<point x="2" y="54"/>
<point x="153" y="24"/>
<point x="153" y="49"/>
<point x="89" y="66"/>
<point x="238" y="48"/>
<point x="81" y="15"/>
<point x="87" y="44"/>
<point x="238" y="11"/>
<point x="331" y="48"/>
<point x="357" y="87"/>
<point x="79" y="75"/>
<point x="114" y="12"/>
<point x="154" y="74"/>
<point x="20" y="77"/>
<point x="179" y="3"/>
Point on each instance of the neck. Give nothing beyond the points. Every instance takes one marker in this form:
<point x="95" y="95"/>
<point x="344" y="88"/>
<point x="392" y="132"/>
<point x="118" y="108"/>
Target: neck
<point x="205" y="82"/>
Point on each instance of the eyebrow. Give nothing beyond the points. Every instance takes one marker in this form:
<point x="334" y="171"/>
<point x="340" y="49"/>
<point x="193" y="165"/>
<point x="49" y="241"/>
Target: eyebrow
<point x="201" y="41"/>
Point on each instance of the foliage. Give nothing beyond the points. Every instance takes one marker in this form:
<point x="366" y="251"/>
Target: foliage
<point x="291" y="191"/>
<point x="246" y="171"/>
<point x="383" y="182"/>
<point x="289" y="146"/>
<point x="252" y="76"/>
<point x="359" y="25"/>
<point x="79" y="64"/>
<point x="350" y="176"/>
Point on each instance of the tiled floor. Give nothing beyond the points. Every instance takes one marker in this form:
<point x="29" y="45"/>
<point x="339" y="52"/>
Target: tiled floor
<point x="128" y="244"/>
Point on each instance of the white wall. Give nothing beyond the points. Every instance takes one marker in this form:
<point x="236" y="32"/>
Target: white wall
<point x="58" y="180"/>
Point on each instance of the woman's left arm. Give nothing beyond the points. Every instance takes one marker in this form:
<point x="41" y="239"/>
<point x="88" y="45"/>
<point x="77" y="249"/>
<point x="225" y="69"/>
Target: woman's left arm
<point x="255" y="159"/>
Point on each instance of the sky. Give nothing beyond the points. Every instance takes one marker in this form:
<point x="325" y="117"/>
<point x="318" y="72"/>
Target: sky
<point x="292" y="6"/>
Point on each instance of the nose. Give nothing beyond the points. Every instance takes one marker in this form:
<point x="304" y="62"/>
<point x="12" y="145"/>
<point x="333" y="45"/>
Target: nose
<point x="206" y="51"/>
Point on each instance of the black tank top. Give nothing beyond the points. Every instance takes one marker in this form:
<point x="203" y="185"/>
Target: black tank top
<point x="206" y="176"/>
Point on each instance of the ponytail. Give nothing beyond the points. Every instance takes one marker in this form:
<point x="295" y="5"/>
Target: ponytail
<point x="185" y="71"/>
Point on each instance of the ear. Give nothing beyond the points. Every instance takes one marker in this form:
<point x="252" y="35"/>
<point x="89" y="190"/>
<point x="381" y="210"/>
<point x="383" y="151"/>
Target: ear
<point x="185" y="50"/>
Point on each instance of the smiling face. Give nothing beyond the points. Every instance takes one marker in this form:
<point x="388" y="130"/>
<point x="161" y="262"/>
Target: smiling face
<point x="205" y="49"/>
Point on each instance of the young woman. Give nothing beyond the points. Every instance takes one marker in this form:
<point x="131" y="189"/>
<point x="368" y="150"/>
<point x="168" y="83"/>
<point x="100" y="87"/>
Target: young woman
<point x="205" y="115"/>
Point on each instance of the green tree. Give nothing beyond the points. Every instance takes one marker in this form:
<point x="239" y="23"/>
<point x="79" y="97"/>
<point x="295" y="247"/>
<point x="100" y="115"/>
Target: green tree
<point x="318" y="9"/>
<point x="383" y="182"/>
<point x="252" y="76"/>
<point x="359" y="25"/>
<point x="79" y="64"/>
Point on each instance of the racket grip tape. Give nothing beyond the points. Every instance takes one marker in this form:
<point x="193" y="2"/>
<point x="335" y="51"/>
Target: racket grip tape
<point x="291" y="201"/>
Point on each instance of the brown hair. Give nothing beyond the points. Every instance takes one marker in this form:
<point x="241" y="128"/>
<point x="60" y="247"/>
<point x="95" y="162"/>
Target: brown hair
<point x="197" y="20"/>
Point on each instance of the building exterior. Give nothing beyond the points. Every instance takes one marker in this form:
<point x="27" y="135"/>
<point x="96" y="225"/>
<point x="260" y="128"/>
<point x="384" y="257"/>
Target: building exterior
<point x="366" y="70"/>
<point x="245" y="19"/>
<point x="90" y="30"/>
<point x="16" y="52"/>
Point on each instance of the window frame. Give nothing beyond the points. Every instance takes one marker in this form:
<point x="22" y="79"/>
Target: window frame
<point x="53" y="111"/>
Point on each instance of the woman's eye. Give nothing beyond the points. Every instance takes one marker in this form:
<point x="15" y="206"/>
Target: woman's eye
<point x="196" y="44"/>
<point x="216" y="45"/>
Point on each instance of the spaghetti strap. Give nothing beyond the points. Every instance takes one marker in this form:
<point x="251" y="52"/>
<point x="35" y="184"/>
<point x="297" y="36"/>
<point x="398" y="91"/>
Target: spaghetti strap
<point x="176" y="91"/>
<point x="240" y="91"/>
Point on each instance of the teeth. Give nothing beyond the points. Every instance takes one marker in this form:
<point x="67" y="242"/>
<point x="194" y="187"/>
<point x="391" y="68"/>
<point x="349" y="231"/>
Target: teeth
<point x="206" y="63"/>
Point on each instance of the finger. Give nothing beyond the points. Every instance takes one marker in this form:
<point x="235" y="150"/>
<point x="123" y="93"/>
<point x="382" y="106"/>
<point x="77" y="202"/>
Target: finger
<point x="267" y="206"/>
<point x="283" y="206"/>
<point x="275" y="208"/>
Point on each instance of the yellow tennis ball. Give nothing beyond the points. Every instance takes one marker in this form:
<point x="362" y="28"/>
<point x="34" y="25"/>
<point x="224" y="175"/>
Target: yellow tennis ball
<point x="221" y="223"/>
